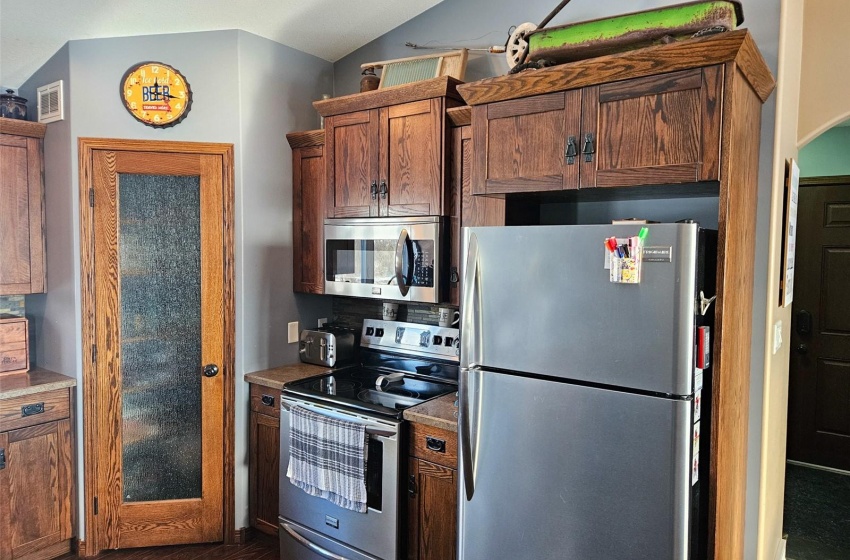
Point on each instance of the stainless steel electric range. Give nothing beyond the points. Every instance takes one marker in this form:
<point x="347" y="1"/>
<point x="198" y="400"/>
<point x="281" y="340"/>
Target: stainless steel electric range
<point x="401" y="365"/>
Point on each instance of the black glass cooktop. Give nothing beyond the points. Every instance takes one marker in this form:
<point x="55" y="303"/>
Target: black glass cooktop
<point x="357" y="387"/>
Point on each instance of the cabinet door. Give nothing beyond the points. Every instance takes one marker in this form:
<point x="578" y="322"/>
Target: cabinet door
<point x="650" y="131"/>
<point x="35" y="512"/>
<point x="351" y="153"/>
<point x="263" y="472"/>
<point x="466" y="210"/>
<point x="432" y="511"/>
<point x="308" y="212"/>
<point x="522" y="145"/>
<point x="411" y="159"/>
<point x="21" y="216"/>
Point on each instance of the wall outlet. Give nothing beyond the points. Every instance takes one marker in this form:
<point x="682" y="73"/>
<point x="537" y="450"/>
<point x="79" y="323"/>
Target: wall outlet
<point x="322" y="322"/>
<point x="293" y="332"/>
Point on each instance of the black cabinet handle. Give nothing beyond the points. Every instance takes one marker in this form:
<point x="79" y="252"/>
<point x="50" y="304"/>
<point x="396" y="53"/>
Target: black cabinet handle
<point x="2" y="458"/>
<point x="374" y="190"/>
<point x="454" y="277"/>
<point x="384" y="189"/>
<point x="411" y="485"/>
<point x="32" y="409"/>
<point x="434" y="444"/>
<point x="267" y="400"/>
<point x="588" y="149"/>
<point x="572" y="151"/>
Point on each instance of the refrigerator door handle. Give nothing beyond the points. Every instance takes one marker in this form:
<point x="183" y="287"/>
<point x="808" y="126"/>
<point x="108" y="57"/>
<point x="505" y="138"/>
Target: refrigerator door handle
<point x="470" y="308"/>
<point x="468" y="426"/>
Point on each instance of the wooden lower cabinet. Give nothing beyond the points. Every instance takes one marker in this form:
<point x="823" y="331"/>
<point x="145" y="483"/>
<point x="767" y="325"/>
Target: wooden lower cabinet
<point x="36" y="476"/>
<point x="432" y="495"/>
<point x="264" y="459"/>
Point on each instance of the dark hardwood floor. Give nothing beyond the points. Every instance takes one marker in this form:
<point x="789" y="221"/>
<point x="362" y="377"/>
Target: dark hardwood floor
<point x="261" y="547"/>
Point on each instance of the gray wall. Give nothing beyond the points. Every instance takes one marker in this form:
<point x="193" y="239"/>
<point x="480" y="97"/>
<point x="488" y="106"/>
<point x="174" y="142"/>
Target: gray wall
<point x="826" y="155"/>
<point x="247" y="91"/>
<point x="481" y="23"/>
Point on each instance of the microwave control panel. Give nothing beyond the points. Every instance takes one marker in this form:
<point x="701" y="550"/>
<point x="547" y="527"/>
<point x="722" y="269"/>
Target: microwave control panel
<point x="423" y="265"/>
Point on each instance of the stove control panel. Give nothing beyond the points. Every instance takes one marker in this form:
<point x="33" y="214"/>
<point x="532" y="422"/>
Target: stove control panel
<point x="413" y="339"/>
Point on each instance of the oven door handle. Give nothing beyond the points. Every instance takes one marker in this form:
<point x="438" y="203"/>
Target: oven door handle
<point x="325" y="553"/>
<point x="371" y="429"/>
<point x="403" y="240"/>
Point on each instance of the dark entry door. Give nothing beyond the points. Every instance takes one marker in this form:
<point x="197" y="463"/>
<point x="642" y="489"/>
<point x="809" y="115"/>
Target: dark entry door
<point x="819" y="392"/>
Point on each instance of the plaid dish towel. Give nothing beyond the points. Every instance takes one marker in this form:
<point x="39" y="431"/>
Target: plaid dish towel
<point x="327" y="458"/>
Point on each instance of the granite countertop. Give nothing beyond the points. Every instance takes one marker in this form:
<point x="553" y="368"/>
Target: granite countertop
<point x="274" y="378"/>
<point x="439" y="413"/>
<point x="36" y="380"/>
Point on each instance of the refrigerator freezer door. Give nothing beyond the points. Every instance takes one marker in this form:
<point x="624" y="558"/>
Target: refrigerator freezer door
<point x="538" y="299"/>
<point x="567" y="471"/>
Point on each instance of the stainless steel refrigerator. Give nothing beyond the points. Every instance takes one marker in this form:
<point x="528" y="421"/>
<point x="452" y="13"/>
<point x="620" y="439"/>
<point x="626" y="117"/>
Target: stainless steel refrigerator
<point x="583" y="415"/>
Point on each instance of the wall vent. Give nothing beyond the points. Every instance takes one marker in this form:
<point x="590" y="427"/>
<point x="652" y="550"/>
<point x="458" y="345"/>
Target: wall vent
<point x="50" y="106"/>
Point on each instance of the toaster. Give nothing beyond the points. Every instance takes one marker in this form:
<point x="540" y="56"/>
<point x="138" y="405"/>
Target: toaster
<point x="327" y="346"/>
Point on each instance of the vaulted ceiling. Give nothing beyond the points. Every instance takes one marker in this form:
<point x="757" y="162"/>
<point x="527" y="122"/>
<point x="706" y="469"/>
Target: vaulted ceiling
<point x="31" y="31"/>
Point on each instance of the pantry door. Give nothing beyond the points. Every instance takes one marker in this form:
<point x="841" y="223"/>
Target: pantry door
<point x="159" y="327"/>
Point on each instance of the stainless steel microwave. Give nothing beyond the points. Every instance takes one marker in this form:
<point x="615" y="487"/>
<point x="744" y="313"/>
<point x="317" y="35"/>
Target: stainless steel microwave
<point x="396" y="258"/>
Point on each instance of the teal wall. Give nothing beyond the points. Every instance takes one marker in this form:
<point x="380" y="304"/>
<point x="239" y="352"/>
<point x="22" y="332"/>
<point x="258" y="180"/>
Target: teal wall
<point x="827" y="155"/>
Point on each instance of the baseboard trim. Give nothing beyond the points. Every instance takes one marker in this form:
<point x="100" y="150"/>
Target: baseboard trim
<point x="243" y="535"/>
<point x="79" y="546"/>
<point x="818" y="467"/>
<point x="780" y="549"/>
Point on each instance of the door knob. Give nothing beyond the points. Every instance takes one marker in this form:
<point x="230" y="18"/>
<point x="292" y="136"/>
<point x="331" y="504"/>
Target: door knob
<point x="210" y="370"/>
<point x="803" y="349"/>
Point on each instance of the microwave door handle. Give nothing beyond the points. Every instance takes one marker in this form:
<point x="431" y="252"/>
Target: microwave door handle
<point x="403" y="240"/>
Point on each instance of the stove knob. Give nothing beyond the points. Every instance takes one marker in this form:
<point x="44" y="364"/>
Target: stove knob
<point x="370" y="331"/>
<point x="379" y="332"/>
<point x="437" y="340"/>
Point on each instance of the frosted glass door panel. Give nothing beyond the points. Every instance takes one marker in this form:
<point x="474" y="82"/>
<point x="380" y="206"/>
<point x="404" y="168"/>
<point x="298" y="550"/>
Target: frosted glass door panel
<point x="159" y="250"/>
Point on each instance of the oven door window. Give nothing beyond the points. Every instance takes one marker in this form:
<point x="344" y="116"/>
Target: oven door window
<point x="373" y="261"/>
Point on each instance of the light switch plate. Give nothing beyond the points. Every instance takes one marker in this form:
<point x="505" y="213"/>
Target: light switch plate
<point x="777" y="336"/>
<point x="293" y="332"/>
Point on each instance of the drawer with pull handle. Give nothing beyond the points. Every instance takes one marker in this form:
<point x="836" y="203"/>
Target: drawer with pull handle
<point x="433" y="444"/>
<point x="36" y="408"/>
<point x="265" y="400"/>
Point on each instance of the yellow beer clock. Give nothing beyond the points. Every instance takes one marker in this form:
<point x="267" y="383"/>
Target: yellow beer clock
<point x="156" y="94"/>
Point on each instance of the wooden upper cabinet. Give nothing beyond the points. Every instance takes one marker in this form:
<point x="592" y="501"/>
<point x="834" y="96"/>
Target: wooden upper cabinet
<point x="385" y="150"/>
<point x="656" y="130"/>
<point x="521" y="144"/>
<point x="308" y="212"/>
<point x="22" y="265"/>
<point x="644" y="131"/>
<point x="351" y="146"/>
<point x="386" y="161"/>
<point x="411" y="159"/>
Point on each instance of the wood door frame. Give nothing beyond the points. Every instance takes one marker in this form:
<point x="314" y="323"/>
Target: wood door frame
<point x="86" y="147"/>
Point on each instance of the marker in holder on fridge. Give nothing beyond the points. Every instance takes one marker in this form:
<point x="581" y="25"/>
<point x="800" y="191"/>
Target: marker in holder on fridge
<point x="625" y="258"/>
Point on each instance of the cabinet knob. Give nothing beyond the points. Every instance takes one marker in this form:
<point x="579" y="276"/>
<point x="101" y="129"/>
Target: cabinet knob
<point x="210" y="370"/>
<point x="267" y="400"/>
